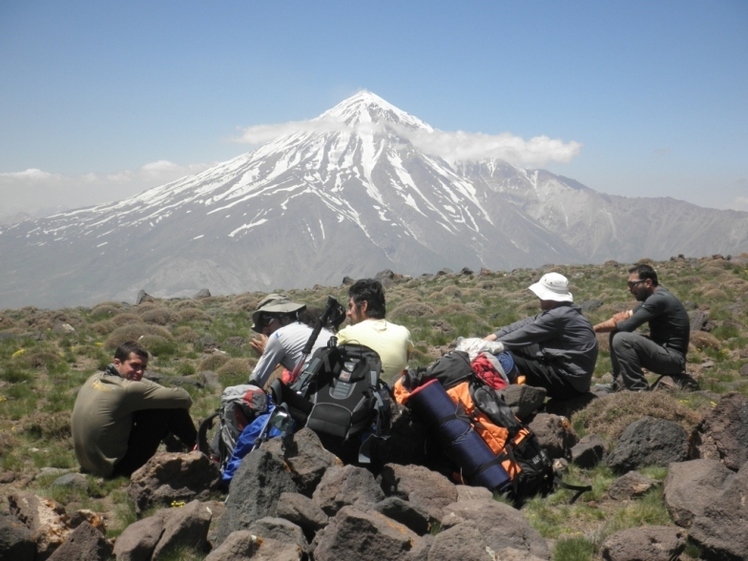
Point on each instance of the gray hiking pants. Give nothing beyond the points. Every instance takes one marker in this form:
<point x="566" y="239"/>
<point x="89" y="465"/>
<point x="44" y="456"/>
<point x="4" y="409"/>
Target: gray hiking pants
<point x="630" y="352"/>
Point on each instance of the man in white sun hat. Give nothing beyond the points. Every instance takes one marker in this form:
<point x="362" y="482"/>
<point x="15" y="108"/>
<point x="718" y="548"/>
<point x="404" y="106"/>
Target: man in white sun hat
<point x="557" y="348"/>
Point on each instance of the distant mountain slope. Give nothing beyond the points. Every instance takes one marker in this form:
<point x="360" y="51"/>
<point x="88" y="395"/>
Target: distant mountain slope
<point x="351" y="195"/>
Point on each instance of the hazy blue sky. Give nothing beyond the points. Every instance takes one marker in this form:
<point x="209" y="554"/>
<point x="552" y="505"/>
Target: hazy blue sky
<point x="101" y="99"/>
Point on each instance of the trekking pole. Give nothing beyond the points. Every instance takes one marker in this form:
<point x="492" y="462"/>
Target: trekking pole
<point x="332" y="305"/>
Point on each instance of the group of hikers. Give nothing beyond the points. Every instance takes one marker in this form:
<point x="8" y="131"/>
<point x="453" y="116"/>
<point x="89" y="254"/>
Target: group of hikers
<point x="119" y="419"/>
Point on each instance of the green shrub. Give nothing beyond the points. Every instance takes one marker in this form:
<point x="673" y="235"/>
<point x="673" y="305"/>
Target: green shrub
<point x="159" y="346"/>
<point x="235" y="371"/>
<point x="105" y="310"/>
<point x="134" y="332"/>
<point x="214" y="361"/>
<point x="194" y="315"/>
<point x="574" y="548"/>
<point x="159" y="316"/>
<point x="52" y="426"/>
<point x="14" y="374"/>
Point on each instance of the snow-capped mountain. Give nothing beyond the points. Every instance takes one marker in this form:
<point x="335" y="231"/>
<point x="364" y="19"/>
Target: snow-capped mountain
<point x="350" y="194"/>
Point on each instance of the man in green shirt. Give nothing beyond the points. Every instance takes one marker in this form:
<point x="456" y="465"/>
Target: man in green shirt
<point x="119" y="419"/>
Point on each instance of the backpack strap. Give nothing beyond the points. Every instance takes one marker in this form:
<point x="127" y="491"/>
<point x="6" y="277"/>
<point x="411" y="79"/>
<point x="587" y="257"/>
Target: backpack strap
<point x="580" y="489"/>
<point x="202" y="433"/>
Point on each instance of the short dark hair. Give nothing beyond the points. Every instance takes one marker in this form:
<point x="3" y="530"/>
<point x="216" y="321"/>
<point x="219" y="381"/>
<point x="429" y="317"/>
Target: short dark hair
<point x="122" y="353"/>
<point x="371" y="292"/>
<point x="645" y="272"/>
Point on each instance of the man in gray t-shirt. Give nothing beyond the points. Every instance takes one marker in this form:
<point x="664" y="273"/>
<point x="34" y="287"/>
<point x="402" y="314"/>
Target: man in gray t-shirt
<point x="282" y="336"/>
<point x="664" y="350"/>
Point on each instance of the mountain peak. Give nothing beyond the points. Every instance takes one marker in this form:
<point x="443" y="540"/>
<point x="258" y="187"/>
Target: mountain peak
<point x="365" y="107"/>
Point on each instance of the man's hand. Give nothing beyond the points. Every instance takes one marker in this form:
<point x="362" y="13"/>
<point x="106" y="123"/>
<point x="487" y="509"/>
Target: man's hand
<point x="258" y="344"/>
<point x="621" y="316"/>
<point x="611" y="324"/>
<point x="491" y="337"/>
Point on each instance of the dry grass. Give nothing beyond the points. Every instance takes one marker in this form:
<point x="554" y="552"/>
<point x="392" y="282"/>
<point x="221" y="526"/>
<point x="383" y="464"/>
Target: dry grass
<point x="608" y="416"/>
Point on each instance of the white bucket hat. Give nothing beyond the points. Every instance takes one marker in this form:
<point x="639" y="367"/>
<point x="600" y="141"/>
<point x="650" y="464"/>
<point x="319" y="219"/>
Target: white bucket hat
<point x="552" y="286"/>
<point x="274" y="304"/>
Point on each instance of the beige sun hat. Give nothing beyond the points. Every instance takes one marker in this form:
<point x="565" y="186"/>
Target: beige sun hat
<point x="552" y="286"/>
<point x="274" y="304"/>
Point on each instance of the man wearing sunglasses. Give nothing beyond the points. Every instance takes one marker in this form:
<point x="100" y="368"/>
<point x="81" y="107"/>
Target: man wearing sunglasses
<point x="283" y="332"/>
<point x="664" y="350"/>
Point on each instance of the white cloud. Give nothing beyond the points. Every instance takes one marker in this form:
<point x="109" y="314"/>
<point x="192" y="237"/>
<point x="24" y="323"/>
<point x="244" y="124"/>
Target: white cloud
<point x="260" y="134"/>
<point x="38" y="192"/>
<point x="740" y="203"/>
<point x="452" y="146"/>
<point x="460" y="145"/>
<point x="28" y="176"/>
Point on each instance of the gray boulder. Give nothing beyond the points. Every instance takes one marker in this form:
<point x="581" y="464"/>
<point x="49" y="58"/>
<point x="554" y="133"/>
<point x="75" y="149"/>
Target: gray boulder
<point x="16" y="541"/>
<point x="568" y="407"/>
<point x="647" y="543"/>
<point x="649" y="442"/>
<point x="406" y="513"/>
<point x="630" y="485"/>
<point x="500" y="526"/>
<point x="420" y="486"/>
<point x="463" y="541"/>
<point x="254" y="492"/>
<point x="554" y="434"/>
<point x="185" y="527"/>
<point x="302" y="511"/>
<point x="85" y="543"/>
<point x="282" y="531"/>
<point x="588" y="452"/>
<point x="307" y="459"/>
<point x="467" y="493"/>
<point x="243" y="544"/>
<point x="720" y="529"/>
<point x="347" y="485"/>
<point x="45" y="519"/>
<point x="723" y="434"/>
<point x="523" y="400"/>
<point x="690" y="487"/>
<point x="139" y="539"/>
<point x="364" y="536"/>
<point x="168" y="530"/>
<point x="173" y="477"/>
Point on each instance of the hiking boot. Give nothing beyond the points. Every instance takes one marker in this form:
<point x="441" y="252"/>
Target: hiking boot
<point x="605" y="389"/>
<point x="675" y="382"/>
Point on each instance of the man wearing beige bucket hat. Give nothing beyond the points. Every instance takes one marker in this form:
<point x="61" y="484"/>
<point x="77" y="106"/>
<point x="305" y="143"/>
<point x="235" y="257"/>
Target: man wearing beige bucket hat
<point x="282" y="337"/>
<point x="557" y="348"/>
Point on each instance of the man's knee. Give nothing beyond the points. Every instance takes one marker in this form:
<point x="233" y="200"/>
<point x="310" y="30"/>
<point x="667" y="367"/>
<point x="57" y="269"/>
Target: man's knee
<point x="622" y="340"/>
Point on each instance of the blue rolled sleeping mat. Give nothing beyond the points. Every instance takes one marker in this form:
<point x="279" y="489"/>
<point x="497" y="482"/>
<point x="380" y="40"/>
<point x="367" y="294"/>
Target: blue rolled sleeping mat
<point x="450" y="424"/>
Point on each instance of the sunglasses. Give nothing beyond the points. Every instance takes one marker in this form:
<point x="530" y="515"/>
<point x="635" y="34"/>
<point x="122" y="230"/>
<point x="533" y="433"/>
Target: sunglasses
<point x="632" y="284"/>
<point x="267" y="320"/>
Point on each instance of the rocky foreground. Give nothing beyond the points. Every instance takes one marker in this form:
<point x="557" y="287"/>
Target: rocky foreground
<point x="294" y="500"/>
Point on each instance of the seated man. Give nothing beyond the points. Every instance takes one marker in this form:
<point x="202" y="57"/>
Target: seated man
<point x="664" y="351"/>
<point x="119" y="419"/>
<point x="366" y="311"/>
<point x="283" y="336"/>
<point x="557" y="348"/>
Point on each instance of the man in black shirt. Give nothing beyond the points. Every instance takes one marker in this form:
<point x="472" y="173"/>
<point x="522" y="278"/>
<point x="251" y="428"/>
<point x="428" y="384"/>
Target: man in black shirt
<point x="664" y="350"/>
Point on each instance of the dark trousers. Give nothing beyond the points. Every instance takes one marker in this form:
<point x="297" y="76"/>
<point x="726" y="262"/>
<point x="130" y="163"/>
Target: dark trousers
<point x="630" y="352"/>
<point x="539" y="372"/>
<point x="149" y="428"/>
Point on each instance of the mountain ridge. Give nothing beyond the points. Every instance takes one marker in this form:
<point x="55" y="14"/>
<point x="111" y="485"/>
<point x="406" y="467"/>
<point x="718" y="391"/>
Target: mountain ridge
<point x="348" y="194"/>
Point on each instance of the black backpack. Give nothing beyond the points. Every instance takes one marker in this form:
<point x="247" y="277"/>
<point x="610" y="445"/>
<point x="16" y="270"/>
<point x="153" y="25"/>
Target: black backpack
<point x="529" y="468"/>
<point x="338" y="394"/>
